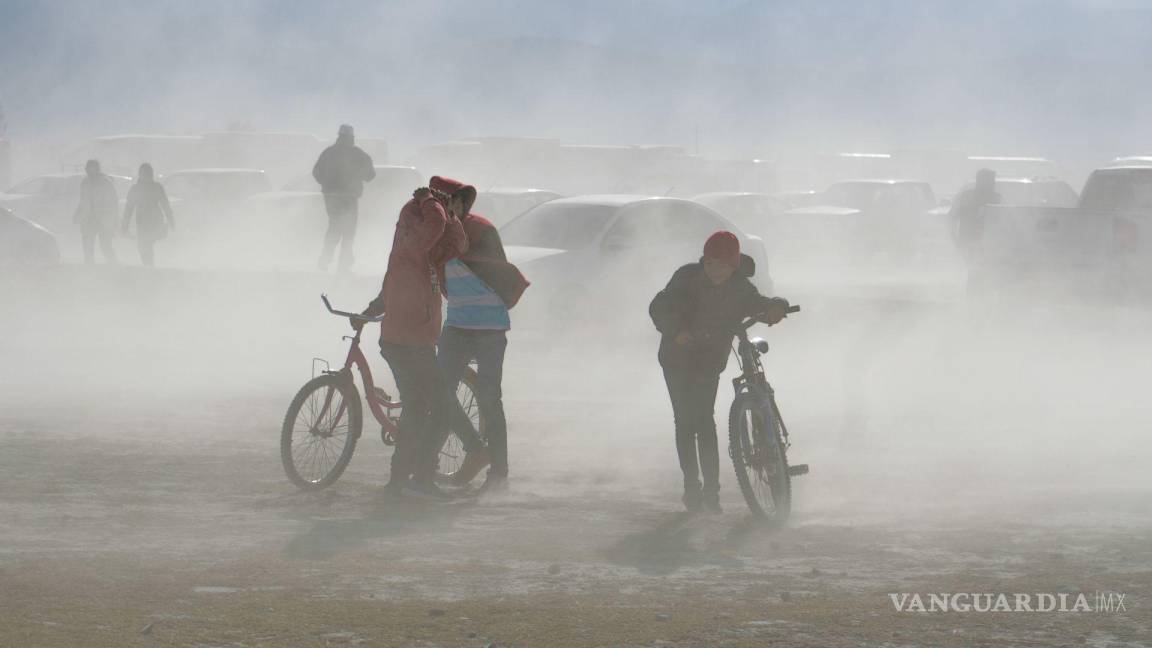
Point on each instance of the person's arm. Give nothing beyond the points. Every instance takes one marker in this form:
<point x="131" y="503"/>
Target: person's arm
<point x="320" y="169"/>
<point x="452" y="244"/>
<point x="166" y="207"/>
<point x="129" y="208"/>
<point x="768" y="309"/>
<point x="426" y="233"/>
<point x="369" y="169"/>
<point x="669" y="308"/>
<point x="81" y="202"/>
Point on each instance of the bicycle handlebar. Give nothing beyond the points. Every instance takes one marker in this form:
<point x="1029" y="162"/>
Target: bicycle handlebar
<point x="755" y="320"/>
<point x="357" y="317"/>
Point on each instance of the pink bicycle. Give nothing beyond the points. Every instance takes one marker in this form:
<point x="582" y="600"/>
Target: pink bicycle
<point x="325" y="418"/>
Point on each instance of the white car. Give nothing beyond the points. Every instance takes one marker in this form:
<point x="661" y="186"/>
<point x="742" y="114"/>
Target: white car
<point x="24" y="243"/>
<point x="51" y="200"/>
<point x="602" y="258"/>
<point x="501" y="204"/>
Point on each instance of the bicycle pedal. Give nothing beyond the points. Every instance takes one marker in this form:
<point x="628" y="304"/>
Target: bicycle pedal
<point x="797" y="470"/>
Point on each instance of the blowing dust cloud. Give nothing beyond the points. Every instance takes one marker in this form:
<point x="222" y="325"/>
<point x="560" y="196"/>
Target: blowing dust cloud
<point x="596" y="324"/>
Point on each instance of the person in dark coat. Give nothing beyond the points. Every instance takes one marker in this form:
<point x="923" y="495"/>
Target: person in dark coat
<point x="965" y="215"/>
<point x="96" y="213"/>
<point x="427" y="236"/>
<point x="342" y="169"/>
<point x="149" y="202"/>
<point x="697" y="315"/>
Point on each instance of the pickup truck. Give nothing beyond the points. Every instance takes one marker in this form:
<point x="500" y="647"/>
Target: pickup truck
<point x="1101" y="244"/>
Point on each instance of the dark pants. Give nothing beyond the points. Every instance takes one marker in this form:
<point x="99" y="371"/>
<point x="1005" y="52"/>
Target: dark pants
<point x="146" y="245"/>
<point x="693" y="395"/>
<point x="343" y="212"/>
<point x="89" y="233"/>
<point x="418" y="379"/>
<point x="458" y="346"/>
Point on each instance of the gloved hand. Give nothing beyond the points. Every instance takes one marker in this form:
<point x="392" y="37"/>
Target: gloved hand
<point x="777" y="310"/>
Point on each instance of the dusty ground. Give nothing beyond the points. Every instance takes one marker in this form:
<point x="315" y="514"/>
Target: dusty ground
<point x="144" y="505"/>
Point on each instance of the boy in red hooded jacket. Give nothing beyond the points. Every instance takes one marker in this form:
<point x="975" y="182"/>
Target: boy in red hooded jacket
<point x="428" y="234"/>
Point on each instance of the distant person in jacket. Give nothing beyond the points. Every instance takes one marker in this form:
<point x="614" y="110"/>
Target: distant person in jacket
<point x="480" y="287"/>
<point x="96" y="213"/>
<point x="342" y="169"/>
<point x="428" y="234"/>
<point x="148" y="201"/>
<point x="697" y="315"/>
<point x="965" y="215"/>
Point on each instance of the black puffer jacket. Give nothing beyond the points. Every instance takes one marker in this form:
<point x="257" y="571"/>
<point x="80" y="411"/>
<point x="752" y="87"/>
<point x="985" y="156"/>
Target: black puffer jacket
<point x="343" y="168"/>
<point x="709" y="312"/>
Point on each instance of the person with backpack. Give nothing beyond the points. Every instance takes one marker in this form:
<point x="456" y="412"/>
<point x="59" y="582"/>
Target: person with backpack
<point x="697" y="314"/>
<point x="480" y="286"/>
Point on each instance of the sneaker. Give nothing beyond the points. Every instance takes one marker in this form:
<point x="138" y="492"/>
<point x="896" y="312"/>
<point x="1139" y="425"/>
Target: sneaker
<point x="494" y="484"/>
<point x="712" y="503"/>
<point x="473" y="463"/>
<point x="692" y="500"/>
<point x="394" y="488"/>
<point x="425" y="490"/>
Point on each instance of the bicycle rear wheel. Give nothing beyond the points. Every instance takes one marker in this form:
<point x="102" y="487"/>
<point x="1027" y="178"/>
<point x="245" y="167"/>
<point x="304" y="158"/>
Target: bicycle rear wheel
<point x="757" y="451"/>
<point x="452" y="449"/>
<point x="320" y="431"/>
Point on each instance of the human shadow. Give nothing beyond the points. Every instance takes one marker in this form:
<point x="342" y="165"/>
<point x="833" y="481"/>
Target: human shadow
<point x="677" y="541"/>
<point x="329" y="534"/>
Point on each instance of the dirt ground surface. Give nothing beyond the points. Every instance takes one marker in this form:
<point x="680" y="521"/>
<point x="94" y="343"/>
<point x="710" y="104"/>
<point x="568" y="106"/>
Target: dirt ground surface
<point x="143" y="502"/>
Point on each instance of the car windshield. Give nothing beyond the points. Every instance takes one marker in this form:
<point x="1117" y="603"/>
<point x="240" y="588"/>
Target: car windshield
<point x="559" y="226"/>
<point x="857" y="195"/>
<point x="1118" y="190"/>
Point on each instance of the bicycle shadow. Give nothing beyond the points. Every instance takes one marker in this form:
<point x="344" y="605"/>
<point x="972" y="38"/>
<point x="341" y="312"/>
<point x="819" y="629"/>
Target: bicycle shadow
<point x="328" y="536"/>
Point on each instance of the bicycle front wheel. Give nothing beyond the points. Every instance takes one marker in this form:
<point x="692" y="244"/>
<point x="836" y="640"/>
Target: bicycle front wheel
<point x="320" y="431"/>
<point x="757" y="451"/>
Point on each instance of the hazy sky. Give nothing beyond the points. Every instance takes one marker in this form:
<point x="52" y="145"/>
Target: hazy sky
<point x="1048" y="77"/>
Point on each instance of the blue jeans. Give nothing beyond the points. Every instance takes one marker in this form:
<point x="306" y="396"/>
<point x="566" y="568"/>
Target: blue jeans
<point x="456" y="347"/>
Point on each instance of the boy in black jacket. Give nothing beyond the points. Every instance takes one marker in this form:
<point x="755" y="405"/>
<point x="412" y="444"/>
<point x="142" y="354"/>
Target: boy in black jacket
<point x="697" y="315"/>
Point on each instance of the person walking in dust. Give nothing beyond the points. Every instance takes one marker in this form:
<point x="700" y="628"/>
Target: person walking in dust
<point x="697" y="315"/>
<point x="342" y="169"/>
<point x="428" y="234"/>
<point x="481" y="286"/>
<point x="96" y="213"/>
<point x="149" y="202"/>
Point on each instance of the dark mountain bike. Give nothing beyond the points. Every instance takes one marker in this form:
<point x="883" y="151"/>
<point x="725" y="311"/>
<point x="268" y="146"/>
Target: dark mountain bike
<point x="325" y="418"/>
<point x="757" y="437"/>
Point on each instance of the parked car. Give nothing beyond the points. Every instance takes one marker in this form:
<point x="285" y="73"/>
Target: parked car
<point x="501" y="204"/>
<point x="1102" y="244"/>
<point x="50" y="200"/>
<point x="860" y="219"/>
<point x="1049" y="192"/>
<point x="601" y="258"/>
<point x="752" y="212"/>
<point x="24" y="243"/>
<point x="214" y="187"/>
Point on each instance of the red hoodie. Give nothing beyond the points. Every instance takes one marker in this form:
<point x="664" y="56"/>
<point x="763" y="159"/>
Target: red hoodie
<point x="410" y="296"/>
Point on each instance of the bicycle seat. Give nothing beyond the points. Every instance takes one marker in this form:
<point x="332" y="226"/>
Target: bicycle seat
<point x="760" y="344"/>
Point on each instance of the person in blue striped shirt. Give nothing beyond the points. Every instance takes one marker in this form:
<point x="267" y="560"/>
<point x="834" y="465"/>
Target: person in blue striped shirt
<point x="480" y="287"/>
